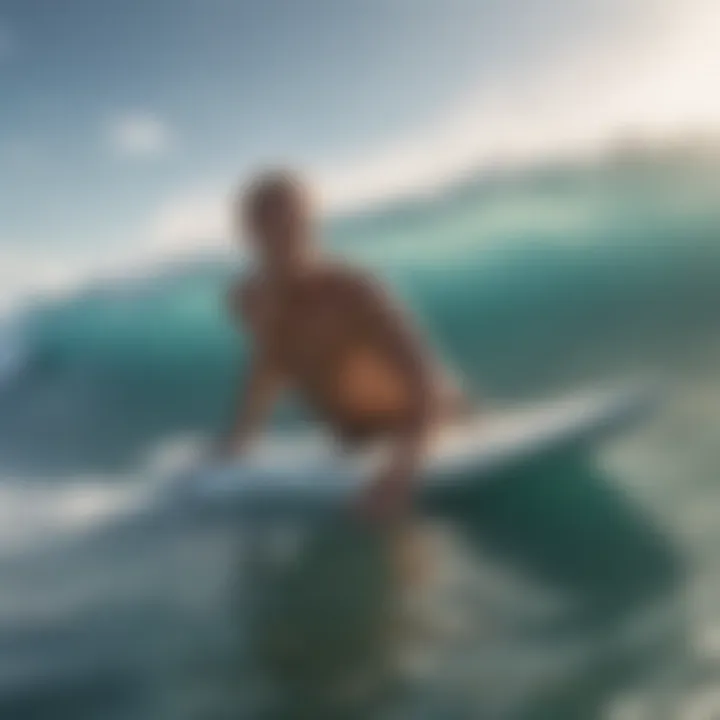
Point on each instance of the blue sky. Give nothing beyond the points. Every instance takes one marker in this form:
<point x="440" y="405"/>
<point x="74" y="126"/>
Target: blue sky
<point x="123" y="123"/>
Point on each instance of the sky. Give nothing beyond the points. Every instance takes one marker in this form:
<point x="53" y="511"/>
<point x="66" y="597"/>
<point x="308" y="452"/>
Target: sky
<point x="125" y="124"/>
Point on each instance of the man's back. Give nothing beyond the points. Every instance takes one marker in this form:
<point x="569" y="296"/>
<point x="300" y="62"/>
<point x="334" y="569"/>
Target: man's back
<point x="334" y="336"/>
<point x="327" y="334"/>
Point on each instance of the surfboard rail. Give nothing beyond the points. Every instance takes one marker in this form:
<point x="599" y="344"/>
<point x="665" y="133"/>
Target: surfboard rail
<point x="303" y="473"/>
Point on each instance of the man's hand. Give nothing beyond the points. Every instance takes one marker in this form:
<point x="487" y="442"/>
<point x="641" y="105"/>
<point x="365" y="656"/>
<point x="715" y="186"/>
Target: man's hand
<point x="258" y="392"/>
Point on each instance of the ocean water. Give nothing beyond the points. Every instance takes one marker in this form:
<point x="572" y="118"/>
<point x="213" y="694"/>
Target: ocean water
<point x="583" y="587"/>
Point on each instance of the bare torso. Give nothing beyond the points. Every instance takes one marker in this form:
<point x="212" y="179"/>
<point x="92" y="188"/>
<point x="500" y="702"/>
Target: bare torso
<point x="333" y="354"/>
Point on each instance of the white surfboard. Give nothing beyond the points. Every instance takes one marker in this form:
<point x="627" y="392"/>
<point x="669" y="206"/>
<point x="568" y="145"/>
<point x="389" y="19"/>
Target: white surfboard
<point x="305" y="473"/>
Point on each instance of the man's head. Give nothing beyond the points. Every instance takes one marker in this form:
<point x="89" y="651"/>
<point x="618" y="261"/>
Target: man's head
<point x="278" y="217"/>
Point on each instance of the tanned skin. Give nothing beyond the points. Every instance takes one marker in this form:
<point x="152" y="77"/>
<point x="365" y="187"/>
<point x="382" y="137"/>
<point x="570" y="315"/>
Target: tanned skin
<point x="333" y="335"/>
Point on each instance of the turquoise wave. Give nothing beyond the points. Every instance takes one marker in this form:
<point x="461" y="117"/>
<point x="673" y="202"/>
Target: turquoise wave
<point x="523" y="280"/>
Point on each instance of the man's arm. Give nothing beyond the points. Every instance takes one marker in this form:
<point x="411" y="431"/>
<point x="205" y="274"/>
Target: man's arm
<point x="258" y="391"/>
<point x="391" y="492"/>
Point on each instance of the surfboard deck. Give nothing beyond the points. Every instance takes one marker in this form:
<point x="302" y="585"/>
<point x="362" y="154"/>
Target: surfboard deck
<point x="304" y="473"/>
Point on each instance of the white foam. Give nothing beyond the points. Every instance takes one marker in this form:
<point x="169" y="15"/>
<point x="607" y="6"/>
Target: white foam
<point x="35" y="514"/>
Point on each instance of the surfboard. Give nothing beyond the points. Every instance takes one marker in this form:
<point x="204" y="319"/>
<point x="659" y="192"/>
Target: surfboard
<point x="302" y="473"/>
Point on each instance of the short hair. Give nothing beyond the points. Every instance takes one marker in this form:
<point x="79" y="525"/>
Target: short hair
<point x="268" y="188"/>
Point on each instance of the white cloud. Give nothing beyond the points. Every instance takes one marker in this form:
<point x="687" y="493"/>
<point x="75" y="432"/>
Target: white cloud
<point x="139" y="134"/>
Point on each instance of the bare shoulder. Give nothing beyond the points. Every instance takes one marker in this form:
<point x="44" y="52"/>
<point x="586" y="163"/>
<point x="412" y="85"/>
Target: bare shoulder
<point x="245" y="297"/>
<point x="353" y="284"/>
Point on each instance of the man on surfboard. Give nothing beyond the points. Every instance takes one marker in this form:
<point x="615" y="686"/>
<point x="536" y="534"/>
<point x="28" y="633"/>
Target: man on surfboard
<point x="332" y="334"/>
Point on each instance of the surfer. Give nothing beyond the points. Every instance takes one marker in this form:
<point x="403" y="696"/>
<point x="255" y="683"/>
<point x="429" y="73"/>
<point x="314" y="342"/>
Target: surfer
<point x="332" y="334"/>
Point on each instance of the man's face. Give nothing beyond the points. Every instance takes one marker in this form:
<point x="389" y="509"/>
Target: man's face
<point x="280" y="227"/>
